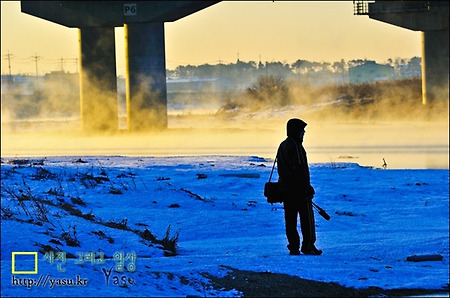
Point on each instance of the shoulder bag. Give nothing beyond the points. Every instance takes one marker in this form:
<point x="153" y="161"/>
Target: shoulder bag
<point x="271" y="191"/>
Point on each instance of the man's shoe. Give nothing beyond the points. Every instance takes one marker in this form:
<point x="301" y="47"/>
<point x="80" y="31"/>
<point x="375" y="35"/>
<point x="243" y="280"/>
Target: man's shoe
<point x="312" y="251"/>
<point x="294" y="252"/>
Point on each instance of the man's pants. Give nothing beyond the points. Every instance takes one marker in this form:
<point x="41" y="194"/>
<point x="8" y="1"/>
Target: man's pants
<point x="293" y="207"/>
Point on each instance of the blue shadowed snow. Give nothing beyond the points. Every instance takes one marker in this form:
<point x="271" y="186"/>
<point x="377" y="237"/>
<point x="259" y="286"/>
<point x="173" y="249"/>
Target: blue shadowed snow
<point x="103" y="204"/>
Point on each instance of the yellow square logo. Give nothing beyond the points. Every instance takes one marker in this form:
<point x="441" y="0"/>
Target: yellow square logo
<point x="24" y="253"/>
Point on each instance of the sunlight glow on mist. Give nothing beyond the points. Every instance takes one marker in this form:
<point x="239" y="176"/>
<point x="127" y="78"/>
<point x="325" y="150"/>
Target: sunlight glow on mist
<point x="250" y="31"/>
<point x="403" y="144"/>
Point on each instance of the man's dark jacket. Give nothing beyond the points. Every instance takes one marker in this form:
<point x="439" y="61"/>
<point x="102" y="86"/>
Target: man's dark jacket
<point x="293" y="170"/>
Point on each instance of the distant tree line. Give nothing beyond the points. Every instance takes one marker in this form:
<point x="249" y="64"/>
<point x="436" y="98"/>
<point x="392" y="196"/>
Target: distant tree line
<point x="251" y="70"/>
<point x="299" y="69"/>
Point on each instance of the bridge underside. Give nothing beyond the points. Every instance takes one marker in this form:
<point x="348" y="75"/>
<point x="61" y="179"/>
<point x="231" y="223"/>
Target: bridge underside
<point x="143" y="22"/>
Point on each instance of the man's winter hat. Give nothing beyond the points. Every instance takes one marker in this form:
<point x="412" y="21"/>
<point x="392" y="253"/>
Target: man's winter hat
<point x="294" y="127"/>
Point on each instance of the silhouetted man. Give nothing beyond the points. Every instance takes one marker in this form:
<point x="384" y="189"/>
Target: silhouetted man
<point x="296" y="189"/>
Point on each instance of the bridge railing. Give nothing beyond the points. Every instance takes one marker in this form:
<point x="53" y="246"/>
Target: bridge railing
<point x="360" y="7"/>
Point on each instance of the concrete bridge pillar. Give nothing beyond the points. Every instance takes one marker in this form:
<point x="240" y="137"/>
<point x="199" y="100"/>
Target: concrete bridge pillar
<point x="145" y="76"/>
<point x="435" y="69"/>
<point x="98" y="83"/>
<point x="430" y="17"/>
<point x="145" y="56"/>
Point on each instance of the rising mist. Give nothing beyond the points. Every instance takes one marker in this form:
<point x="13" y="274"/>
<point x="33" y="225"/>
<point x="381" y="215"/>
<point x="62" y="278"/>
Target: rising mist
<point x="361" y="123"/>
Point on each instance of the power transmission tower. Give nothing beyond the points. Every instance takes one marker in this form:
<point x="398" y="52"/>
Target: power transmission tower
<point x="75" y="60"/>
<point x="36" y="59"/>
<point x="8" y="57"/>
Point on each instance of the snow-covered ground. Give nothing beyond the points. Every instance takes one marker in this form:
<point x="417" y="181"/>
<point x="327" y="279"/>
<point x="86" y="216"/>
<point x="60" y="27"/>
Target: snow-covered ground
<point x="213" y="207"/>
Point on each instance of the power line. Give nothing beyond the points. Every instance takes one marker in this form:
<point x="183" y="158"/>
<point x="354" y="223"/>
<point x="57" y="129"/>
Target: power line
<point x="40" y="63"/>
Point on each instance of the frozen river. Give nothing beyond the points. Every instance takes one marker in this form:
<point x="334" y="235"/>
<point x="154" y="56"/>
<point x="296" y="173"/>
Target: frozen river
<point x="409" y="145"/>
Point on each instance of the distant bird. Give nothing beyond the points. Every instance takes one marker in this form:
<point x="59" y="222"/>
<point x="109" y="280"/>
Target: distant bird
<point x="384" y="164"/>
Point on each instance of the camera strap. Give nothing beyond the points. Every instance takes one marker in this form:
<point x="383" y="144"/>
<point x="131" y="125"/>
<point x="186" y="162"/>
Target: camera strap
<point x="271" y="173"/>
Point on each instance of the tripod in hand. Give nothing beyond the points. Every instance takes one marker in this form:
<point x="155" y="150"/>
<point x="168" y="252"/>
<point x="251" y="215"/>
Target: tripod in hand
<point x="322" y="212"/>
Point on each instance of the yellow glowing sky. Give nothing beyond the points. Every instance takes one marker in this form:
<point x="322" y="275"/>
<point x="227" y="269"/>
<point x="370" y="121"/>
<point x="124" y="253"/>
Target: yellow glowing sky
<point x="271" y="31"/>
